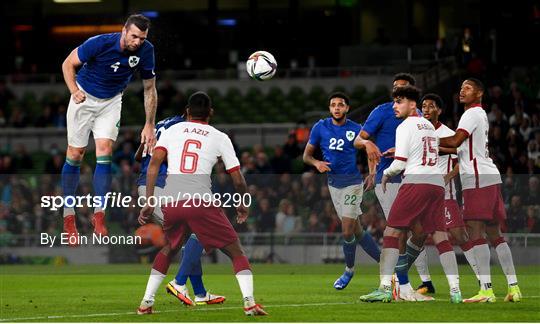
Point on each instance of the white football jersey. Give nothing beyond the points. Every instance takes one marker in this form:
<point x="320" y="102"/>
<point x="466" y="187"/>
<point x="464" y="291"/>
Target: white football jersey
<point x="417" y="145"/>
<point x="193" y="148"/>
<point x="446" y="161"/>
<point x="476" y="168"/>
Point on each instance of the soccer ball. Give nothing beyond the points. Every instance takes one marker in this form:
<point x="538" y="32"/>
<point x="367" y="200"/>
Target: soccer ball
<point x="261" y="66"/>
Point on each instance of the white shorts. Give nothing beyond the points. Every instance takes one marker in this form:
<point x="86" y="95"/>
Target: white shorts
<point x="158" y="213"/>
<point x="387" y="199"/>
<point x="101" y="116"/>
<point x="347" y="200"/>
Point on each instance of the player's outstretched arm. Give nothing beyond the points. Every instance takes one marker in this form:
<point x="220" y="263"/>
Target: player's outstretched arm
<point x="455" y="140"/>
<point x="240" y="185"/>
<point x="150" y="106"/>
<point x="321" y="166"/>
<point x="69" y="70"/>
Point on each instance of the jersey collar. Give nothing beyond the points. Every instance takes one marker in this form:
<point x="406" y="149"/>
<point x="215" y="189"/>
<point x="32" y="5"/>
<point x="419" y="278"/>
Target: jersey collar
<point x="439" y="124"/>
<point x="477" y="106"/>
<point x="198" y="122"/>
<point x="117" y="46"/>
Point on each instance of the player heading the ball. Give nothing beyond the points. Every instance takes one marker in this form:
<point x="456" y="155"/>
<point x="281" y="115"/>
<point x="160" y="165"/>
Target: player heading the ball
<point x="106" y="64"/>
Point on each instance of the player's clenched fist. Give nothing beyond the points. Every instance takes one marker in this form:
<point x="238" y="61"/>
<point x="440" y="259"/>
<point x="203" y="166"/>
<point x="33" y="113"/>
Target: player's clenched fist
<point x="78" y="96"/>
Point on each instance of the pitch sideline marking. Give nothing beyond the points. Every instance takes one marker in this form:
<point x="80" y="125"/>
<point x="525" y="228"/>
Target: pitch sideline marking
<point x="165" y="311"/>
<point x="177" y="310"/>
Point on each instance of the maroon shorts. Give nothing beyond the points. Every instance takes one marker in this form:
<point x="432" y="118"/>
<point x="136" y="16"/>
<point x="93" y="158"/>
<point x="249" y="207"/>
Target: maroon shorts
<point x="418" y="203"/>
<point x="452" y="214"/>
<point x="485" y="204"/>
<point x="210" y="224"/>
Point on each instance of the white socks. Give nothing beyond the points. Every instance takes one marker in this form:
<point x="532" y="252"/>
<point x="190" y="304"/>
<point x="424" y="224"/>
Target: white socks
<point x="450" y="267"/>
<point x="245" y="281"/>
<point x="507" y="263"/>
<point x="154" y="281"/>
<point x="389" y="259"/>
<point x="471" y="258"/>
<point x="422" y="266"/>
<point x="482" y="254"/>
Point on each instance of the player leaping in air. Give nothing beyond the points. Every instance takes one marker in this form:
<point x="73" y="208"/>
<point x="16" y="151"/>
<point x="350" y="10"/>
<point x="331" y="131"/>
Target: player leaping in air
<point x="420" y="198"/>
<point x="107" y="62"/>
<point x="483" y="207"/>
<point x="336" y="137"/>
<point x="190" y="264"/>
<point x="191" y="149"/>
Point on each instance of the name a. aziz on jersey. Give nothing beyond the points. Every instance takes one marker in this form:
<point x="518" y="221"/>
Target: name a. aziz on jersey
<point x="197" y="131"/>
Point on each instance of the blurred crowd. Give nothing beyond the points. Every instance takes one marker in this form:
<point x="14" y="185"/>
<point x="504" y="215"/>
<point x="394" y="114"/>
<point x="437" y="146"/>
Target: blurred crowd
<point x="287" y="196"/>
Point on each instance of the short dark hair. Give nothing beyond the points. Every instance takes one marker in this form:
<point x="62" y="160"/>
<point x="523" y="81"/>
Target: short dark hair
<point x="405" y="76"/>
<point x="477" y="83"/>
<point x="199" y="105"/>
<point x="436" y="98"/>
<point x="339" y="95"/>
<point x="138" y="20"/>
<point x="409" y="92"/>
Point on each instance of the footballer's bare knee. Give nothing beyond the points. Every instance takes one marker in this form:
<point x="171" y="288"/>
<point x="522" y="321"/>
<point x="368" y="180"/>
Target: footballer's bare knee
<point x="493" y="231"/>
<point x="460" y="235"/>
<point x="75" y="153"/>
<point x="104" y="146"/>
<point x="348" y="227"/>
<point x="439" y="236"/>
<point x="477" y="229"/>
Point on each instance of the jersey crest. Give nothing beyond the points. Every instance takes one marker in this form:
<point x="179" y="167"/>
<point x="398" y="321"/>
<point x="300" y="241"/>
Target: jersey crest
<point x="350" y="135"/>
<point x="133" y="61"/>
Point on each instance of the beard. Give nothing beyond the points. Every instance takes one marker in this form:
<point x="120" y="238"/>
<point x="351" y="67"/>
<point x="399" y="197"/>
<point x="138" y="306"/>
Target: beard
<point x="338" y="119"/>
<point x="127" y="48"/>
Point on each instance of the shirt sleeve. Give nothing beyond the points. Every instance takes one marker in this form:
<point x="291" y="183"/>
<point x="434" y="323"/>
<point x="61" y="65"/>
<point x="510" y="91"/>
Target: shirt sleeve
<point x="148" y="65"/>
<point x="163" y="142"/>
<point x="89" y="49"/>
<point x="373" y="122"/>
<point x="228" y="155"/>
<point x="395" y="168"/>
<point x="467" y="123"/>
<point x="315" y="135"/>
<point x="402" y="145"/>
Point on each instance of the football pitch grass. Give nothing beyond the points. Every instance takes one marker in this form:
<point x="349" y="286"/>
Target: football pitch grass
<point x="290" y="293"/>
